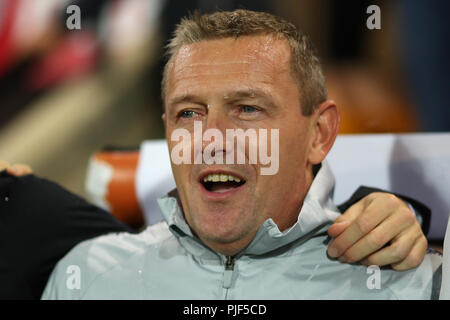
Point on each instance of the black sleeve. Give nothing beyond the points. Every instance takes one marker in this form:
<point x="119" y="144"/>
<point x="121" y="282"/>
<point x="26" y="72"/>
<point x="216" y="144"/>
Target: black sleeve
<point x="420" y="208"/>
<point x="39" y="223"/>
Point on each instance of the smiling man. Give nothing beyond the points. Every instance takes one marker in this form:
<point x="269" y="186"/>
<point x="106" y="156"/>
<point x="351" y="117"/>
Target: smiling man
<point x="245" y="82"/>
<point x="229" y="231"/>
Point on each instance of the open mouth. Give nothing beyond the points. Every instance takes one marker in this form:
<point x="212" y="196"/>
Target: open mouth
<point x="221" y="183"/>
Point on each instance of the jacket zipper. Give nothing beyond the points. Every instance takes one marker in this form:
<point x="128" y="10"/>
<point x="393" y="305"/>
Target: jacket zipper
<point x="228" y="273"/>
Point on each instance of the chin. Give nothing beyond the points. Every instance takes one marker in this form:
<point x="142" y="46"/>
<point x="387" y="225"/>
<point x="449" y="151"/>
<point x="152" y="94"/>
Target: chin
<point x="222" y="225"/>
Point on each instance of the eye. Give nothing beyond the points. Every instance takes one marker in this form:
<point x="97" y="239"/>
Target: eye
<point x="248" y="109"/>
<point x="186" y="114"/>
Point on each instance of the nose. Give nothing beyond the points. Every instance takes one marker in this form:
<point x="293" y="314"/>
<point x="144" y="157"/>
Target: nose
<point x="214" y="135"/>
<point x="216" y="118"/>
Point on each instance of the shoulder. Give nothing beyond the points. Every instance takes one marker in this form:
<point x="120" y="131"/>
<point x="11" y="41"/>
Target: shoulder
<point x="44" y="204"/>
<point x="52" y="221"/>
<point x="89" y="260"/>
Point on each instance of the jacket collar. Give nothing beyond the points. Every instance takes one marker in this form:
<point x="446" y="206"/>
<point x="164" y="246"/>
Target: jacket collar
<point x="318" y="210"/>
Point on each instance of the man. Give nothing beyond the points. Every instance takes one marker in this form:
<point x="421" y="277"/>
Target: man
<point x="52" y="221"/>
<point x="246" y="235"/>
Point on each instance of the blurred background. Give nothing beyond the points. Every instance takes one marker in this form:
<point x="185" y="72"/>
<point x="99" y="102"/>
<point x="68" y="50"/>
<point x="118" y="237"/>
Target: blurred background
<point x="65" y="94"/>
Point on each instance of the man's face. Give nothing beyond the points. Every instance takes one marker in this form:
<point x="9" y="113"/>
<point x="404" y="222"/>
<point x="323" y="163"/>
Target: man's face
<point x="229" y="84"/>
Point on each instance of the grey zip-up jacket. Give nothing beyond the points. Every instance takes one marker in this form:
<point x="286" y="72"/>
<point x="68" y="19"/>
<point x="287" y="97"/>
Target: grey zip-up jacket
<point x="167" y="262"/>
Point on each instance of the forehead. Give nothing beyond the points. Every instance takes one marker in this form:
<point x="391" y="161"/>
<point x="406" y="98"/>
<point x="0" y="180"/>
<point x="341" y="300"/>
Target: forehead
<point x="259" y="59"/>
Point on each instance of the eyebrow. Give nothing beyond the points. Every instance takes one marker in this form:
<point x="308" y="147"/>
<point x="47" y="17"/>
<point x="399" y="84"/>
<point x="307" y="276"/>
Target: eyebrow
<point x="250" y="93"/>
<point x="228" y="96"/>
<point x="185" y="98"/>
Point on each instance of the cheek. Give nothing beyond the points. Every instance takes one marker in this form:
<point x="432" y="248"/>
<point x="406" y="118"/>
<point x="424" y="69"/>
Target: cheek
<point x="290" y="178"/>
<point x="296" y="136"/>
<point x="181" y="173"/>
<point x="292" y="150"/>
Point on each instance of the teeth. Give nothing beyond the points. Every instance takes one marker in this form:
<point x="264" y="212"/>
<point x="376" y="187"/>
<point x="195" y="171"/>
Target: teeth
<point x="220" y="177"/>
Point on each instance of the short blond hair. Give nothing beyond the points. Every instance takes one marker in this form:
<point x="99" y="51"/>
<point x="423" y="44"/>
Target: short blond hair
<point x="305" y="65"/>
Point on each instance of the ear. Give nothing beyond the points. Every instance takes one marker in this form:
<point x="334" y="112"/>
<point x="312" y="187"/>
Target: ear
<point x="325" y="129"/>
<point x="163" y="117"/>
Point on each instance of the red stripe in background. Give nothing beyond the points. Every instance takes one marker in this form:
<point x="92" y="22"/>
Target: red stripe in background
<point x="7" y="16"/>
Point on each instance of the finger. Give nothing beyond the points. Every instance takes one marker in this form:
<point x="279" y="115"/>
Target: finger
<point x="415" y="257"/>
<point x="337" y="228"/>
<point x="4" y="165"/>
<point x="334" y="231"/>
<point x="387" y="230"/>
<point x="361" y="226"/>
<point x="353" y="212"/>
<point x="397" y="251"/>
<point x="19" y="170"/>
<point x="345" y="219"/>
